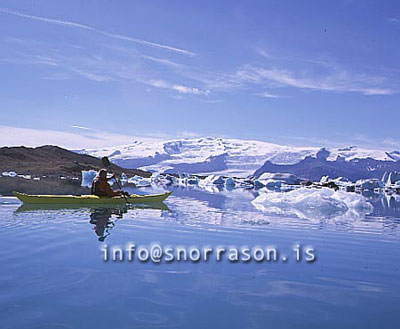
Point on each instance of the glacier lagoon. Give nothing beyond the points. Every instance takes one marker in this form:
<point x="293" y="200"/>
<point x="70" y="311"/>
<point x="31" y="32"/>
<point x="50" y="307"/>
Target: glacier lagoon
<point x="53" y="275"/>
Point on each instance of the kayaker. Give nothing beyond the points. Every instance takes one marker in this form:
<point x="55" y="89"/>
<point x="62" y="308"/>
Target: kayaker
<point x="101" y="187"/>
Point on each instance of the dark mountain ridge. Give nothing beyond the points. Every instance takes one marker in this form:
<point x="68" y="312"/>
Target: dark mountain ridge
<point x="53" y="160"/>
<point x="313" y="168"/>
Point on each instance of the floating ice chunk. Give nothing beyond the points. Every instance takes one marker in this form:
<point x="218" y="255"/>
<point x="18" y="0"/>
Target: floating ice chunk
<point x="312" y="203"/>
<point x="369" y="184"/>
<point x="230" y="182"/>
<point x="183" y="181"/>
<point x="87" y="177"/>
<point x="272" y="184"/>
<point x="212" y="179"/>
<point x="342" y="181"/>
<point x="192" y="181"/>
<point x="268" y="183"/>
<point x="124" y="179"/>
<point x="286" y="178"/>
<point x="25" y="176"/>
<point x="393" y="177"/>
<point x="258" y="184"/>
<point x="140" y="181"/>
<point x="9" y="174"/>
<point x="324" y="179"/>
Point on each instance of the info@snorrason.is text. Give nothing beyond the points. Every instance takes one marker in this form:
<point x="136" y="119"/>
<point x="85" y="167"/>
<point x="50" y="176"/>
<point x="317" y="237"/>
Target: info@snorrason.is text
<point x="157" y="253"/>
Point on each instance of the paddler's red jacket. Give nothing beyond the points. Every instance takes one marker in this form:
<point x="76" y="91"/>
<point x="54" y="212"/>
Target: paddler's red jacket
<point x="100" y="187"/>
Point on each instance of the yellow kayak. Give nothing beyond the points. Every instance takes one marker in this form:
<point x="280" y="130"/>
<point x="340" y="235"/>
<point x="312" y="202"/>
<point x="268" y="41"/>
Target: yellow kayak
<point x="89" y="199"/>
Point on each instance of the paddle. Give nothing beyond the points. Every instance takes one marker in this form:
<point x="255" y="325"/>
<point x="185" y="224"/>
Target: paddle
<point x="107" y="164"/>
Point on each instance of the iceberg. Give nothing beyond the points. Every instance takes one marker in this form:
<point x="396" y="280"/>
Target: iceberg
<point x="212" y="180"/>
<point x="393" y="178"/>
<point x="87" y="177"/>
<point x="312" y="203"/>
<point x="9" y="174"/>
<point x="124" y="179"/>
<point x="230" y="182"/>
<point x="285" y="178"/>
<point x="25" y="176"/>
<point x="140" y="181"/>
<point x="369" y="184"/>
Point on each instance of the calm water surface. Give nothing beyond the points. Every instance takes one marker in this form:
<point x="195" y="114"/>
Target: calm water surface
<point x="52" y="274"/>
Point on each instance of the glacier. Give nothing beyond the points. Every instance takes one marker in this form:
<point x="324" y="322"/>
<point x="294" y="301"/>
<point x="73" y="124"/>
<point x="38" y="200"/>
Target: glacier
<point x="230" y="157"/>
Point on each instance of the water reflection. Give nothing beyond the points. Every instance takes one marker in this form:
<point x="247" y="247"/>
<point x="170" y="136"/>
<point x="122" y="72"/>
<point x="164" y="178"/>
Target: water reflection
<point x="101" y="219"/>
<point x="221" y="209"/>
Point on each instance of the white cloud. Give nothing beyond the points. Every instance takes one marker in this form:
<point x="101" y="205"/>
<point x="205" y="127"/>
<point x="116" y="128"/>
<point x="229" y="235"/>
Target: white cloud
<point x="163" y="61"/>
<point x="89" y="28"/>
<point x="393" y="20"/>
<point x="15" y="136"/>
<point x="339" y="81"/>
<point x="190" y="90"/>
<point x="158" y="83"/>
<point x="179" y="88"/>
<point x="269" y="95"/>
<point x="81" y="127"/>
<point x="187" y="134"/>
<point x="263" y="53"/>
<point x="93" y="76"/>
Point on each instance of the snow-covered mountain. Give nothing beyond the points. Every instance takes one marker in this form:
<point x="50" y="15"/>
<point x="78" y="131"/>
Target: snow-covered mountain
<point x="232" y="157"/>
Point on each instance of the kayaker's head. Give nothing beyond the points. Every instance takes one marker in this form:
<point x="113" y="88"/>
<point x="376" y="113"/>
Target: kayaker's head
<point x="102" y="174"/>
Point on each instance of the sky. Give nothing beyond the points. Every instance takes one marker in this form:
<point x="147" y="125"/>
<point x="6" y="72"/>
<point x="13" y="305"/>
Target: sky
<point x="100" y="73"/>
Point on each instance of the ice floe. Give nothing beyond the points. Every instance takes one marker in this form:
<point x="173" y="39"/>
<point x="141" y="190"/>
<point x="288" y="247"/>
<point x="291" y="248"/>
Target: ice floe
<point x="9" y="174"/>
<point x="312" y="203"/>
<point x="87" y="177"/>
<point x="369" y="184"/>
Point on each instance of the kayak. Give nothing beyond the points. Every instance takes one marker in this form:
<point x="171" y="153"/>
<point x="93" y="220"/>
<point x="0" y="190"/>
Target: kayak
<point x="89" y="199"/>
<point x="92" y="207"/>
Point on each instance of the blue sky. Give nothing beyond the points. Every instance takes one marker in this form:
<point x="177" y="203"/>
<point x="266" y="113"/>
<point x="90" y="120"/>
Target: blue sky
<point x="291" y="72"/>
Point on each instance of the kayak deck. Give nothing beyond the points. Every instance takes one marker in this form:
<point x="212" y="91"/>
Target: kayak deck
<point x="89" y="199"/>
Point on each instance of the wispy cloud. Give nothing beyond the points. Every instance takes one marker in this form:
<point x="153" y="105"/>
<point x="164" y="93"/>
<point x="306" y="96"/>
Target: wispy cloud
<point x="179" y="88"/>
<point x="90" y="28"/>
<point x="163" y="61"/>
<point x="338" y="81"/>
<point x="123" y="62"/>
<point x="393" y="20"/>
<point x="81" y="127"/>
<point x="93" y="76"/>
<point x="17" y="136"/>
<point x="190" y="90"/>
<point x="269" y="95"/>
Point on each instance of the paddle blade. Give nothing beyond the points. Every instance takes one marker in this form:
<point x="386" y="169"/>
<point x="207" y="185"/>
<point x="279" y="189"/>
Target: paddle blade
<point x="105" y="162"/>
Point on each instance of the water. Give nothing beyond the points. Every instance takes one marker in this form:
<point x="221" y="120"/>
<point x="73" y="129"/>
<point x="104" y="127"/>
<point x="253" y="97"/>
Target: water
<point x="53" y="274"/>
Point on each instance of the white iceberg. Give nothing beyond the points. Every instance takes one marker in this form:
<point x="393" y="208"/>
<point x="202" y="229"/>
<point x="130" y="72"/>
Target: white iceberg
<point x="393" y="178"/>
<point x="140" y="181"/>
<point x="286" y="178"/>
<point x="212" y="180"/>
<point x="124" y="179"/>
<point x="369" y="184"/>
<point x="312" y="203"/>
<point x="25" y="176"/>
<point x="87" y="177"/>
<point x="9" y="174"/>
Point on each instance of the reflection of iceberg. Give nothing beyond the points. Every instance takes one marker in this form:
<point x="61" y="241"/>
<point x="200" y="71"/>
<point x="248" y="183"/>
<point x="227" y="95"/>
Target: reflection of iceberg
<point x="313" y="203"/>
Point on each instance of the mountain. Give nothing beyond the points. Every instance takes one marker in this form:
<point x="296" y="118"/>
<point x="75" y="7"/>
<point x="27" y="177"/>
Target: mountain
<point x="242" y="158"/>
<point x="313" y="168"/>
<point x="51" y="161"/>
